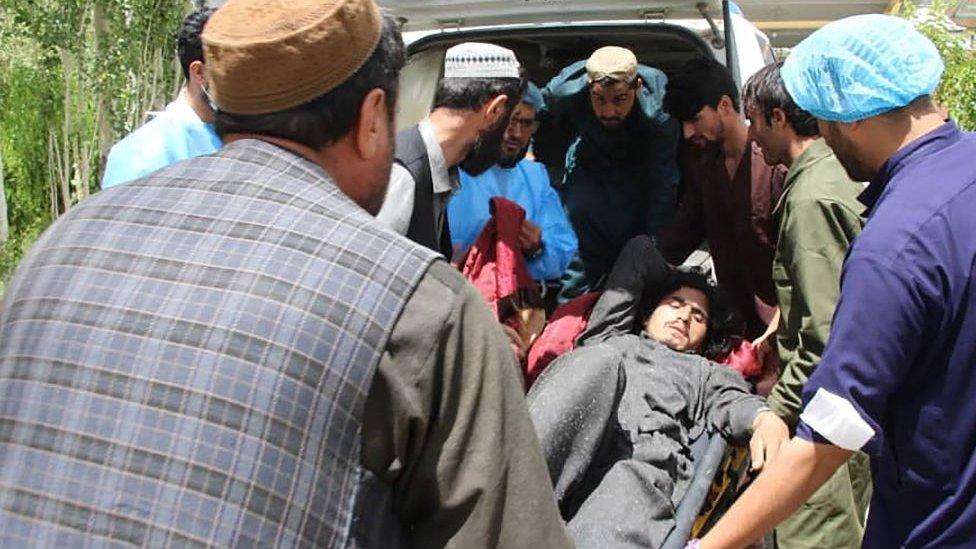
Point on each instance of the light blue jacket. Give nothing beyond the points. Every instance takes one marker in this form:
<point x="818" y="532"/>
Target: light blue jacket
<point x="527" y="184"/>
<point x="173" y="135"/>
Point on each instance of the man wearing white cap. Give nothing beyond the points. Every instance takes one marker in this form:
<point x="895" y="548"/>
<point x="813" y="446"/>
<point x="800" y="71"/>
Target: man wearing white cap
<point x="896" y="378"/>
<point x="603" y="122"/>
<point x="482" y="84"/>
<point x="233" y="352"/>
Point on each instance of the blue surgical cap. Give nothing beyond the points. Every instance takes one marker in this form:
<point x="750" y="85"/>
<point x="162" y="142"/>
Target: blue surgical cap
<point x="860" y="67"/>
<point x="533" y="96"/>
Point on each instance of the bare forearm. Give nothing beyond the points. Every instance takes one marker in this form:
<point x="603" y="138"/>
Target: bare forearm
<point x="784" y="485"/>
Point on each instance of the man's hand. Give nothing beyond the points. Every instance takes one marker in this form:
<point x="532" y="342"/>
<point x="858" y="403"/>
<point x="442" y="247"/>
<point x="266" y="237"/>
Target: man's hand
<point x="518" y="346"/>
<point x="769" y="432"/>
<point x="530" y="238"/>
<point x="785" y="484"/>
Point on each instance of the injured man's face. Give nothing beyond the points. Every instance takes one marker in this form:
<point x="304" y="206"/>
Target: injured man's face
<point x="680" y="320"/>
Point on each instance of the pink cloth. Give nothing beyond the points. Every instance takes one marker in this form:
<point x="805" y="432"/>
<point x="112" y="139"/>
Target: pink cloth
<point x="567" y="323"/>
<point x="495" y="264"/>
<point x="744" y="358"/>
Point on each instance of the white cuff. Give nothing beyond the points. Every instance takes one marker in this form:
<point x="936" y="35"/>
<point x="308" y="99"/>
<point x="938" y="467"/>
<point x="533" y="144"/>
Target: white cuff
<point x="836" y="419"/>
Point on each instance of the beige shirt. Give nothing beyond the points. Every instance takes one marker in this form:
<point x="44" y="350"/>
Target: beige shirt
<point x="447" y="426"/>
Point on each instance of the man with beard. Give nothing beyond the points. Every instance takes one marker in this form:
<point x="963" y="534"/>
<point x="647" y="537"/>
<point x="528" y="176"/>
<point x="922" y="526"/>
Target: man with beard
<point x="818" y="217"/>
<point x="603" y="123"/>
<point x="896" y="378"/>
<point x="482" y="84"/>
<point x="234" y="352"/>
<point x="547" y="240"/>
<point x="184" y="130"/>
<point x="729" y="192"/>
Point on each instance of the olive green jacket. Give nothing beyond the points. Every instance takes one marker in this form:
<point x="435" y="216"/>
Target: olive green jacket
<point x="818" y="216"/>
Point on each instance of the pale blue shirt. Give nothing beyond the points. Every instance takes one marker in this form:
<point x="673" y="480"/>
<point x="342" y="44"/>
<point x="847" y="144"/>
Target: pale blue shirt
<point x="527" y="184"/>
<point x="173" y="135"/>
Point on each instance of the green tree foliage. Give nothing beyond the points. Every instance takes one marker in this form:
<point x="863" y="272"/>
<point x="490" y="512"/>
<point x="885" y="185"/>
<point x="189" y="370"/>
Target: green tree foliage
<point x="75" y="76"/>
<point x="957" y="91"/>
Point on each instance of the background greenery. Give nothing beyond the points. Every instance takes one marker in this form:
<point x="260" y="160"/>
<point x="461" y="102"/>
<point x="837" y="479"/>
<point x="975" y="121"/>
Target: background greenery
<point x="76" y="75"/>
<point x="957" y="91"/>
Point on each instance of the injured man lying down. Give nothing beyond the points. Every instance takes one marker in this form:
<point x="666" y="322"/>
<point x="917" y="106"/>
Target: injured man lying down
<point x="617" y="415"/>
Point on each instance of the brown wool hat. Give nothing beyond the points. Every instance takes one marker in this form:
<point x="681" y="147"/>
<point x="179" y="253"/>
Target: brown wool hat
<point x="612" y="62"/>
<point x="264" y="56"/>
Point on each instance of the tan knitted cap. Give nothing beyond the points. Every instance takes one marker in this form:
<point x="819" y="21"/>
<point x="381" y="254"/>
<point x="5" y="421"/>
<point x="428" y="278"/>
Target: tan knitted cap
<point x="265" y="56"/>
<point x="612" y="62"/>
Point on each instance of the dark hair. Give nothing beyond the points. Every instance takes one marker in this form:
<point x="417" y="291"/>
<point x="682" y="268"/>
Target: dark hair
<point x="470" y="94"/>
<point x="724" y="324"/>
<point x="766" y="91"/>
<point x="189" y="47"/>
<point x="699" y="83"/>
<point x="330" y="116"/>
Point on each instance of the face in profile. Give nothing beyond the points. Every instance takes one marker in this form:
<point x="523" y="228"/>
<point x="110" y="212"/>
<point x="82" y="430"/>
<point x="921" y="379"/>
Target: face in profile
<point x="375" y="159"/>
<point x="845" y="149"/>
<point x="680" y="320"/>
<point x="612" y="102"/>
<point x="706" y="128"/>
<point x="517" y="135"/>
<point x="486" y="150"/>
<point x="765" y="135"/>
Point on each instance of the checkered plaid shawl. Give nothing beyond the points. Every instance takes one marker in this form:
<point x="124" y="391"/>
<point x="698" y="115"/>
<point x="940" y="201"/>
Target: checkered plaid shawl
<point x="184" y="359"/>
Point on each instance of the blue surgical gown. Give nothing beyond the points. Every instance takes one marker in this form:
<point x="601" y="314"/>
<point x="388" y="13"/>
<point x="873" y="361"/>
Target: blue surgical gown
<point x="173" y="135"/>
<point x="527" y="184"/>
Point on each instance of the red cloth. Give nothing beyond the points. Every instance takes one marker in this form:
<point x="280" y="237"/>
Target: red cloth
<point x="744" y="358"/>
<point x="494" y="264"/>
<point x="567" y="323"/>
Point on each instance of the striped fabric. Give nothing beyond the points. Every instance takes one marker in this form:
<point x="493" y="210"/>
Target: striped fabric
<point x="184" y="360"/>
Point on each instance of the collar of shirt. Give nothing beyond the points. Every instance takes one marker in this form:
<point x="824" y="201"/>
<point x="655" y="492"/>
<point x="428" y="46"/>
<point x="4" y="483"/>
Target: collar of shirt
<point x="180" y="108"/>
<point x="923" y="146"/>
<point x="815" y="152"/>
<point x="445" y="180"/>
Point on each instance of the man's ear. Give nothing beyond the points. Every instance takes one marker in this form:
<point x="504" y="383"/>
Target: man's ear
<point x="494" y="109"/>
<point x="726" y="105"/>
<point x="778" y="119"/>
<point x="198" y="74"/>
<point x="373" y="125"/>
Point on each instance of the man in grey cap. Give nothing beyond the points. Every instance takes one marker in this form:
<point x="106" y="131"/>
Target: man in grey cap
<point x="603" y="123"/>
<point x="233" y="352"/>
<point x="896" y="377"/>
<point x="482" y="84"/>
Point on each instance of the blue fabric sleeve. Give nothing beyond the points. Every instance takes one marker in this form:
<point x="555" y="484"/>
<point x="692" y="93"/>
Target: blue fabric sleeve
<point x="558" y="239"/>
<point x="875" y="336"/>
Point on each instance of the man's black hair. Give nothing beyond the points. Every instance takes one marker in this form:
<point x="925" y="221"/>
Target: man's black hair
<point x="766" y="91"/>
<point x="724" y="324"/>
<point x="470" y="94"/>
<point x="699" y="83"/>
<point x="333" y="115"/>
<point x="188" y="43"/>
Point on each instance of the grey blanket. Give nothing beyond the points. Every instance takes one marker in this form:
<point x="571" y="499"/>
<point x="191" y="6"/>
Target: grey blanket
<point x="616" y="417"/>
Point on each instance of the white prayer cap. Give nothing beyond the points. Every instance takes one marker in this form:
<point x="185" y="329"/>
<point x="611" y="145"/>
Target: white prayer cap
<point x="480" y="60"/>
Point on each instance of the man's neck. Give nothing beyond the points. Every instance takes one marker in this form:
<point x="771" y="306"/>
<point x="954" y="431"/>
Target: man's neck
<point x="453" y="134"/>
<point x="895" y="141"/>
<point x="736" y="137"/>
<point x="797" y="146"/>
<point x="194" y="98"/>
